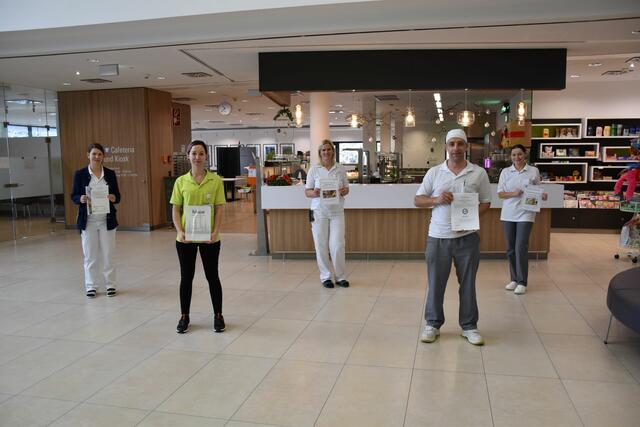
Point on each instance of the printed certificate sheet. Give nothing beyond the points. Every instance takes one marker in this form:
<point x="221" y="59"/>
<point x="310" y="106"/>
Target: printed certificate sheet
<point x="464" y="212"/>
<point x="329" y="192"/>
<point x="197" y="226"/>
<point x="531" y="198"/>
<point x="98" y="199"/>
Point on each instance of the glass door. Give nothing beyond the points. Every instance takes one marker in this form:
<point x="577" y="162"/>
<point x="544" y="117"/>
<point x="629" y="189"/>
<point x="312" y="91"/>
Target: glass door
<point x="30" y="166"/>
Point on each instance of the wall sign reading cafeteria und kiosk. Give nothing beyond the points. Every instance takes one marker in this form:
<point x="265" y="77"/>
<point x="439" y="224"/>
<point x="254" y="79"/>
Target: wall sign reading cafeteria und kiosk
<point x="120" y="159"/>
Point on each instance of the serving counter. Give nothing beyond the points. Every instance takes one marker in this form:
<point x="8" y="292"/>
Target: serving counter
<point x="381" y="219"/>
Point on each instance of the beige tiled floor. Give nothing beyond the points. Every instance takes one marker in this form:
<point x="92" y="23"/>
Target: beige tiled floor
<point x="296" y="354"/>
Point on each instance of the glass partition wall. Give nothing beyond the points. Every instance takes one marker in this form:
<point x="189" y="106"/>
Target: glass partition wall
<point x="31" y="188"/>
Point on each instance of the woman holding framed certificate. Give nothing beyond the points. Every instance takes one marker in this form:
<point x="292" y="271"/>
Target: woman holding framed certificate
<point x="95" y="190"/>
<point x="327" y="185"/>
<point x="198" y="200"/>
<point x="522" y="197"/>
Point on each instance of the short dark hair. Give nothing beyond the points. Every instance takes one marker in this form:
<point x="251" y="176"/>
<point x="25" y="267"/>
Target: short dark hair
<point x="520" y="146"/>
<point x="96" y="146"/>
<point x="197" y="142"/>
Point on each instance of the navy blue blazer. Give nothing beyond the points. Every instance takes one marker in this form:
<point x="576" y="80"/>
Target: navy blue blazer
<point x="81" y="180"/>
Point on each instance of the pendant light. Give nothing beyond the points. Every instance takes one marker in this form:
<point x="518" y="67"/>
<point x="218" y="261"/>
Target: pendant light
<point x="410" y="117"/>
<point x="298" y="115"/>
<point x="353" y="118"/>
<point x="521" y="111"/>
<point x="466" y="117"/>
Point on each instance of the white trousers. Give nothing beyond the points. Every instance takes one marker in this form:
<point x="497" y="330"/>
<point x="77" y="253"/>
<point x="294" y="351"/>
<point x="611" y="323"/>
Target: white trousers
<point x="328" y="238"/>
<point x="98" y="245"/>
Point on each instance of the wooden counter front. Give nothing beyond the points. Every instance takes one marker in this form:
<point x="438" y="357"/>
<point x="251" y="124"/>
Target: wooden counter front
<point x="392" y="231"/>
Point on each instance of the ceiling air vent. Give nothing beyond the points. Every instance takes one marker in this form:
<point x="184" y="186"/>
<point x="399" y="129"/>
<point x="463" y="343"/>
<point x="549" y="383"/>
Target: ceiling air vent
<point x="197" y="74"/>
<point x="215" y="121"/>
<point x="253" y="114"/>
<point x="97" y="81"/>
<point x="614" y="73"/>
<point x="183" y="99"/>
<point x="382" y="98"/>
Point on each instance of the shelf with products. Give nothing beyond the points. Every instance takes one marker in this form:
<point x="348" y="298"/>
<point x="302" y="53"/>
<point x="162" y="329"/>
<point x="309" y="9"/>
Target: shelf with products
<point x="563" y="172"/>
<point x="556" y="130"/>
<point x="612" y="128"/>
<point x="605" y="173"/>
<point x="568" y="150"/>
<point x="617" y="154"/>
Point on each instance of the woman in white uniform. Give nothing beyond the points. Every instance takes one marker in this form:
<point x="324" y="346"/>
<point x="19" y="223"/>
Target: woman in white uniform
<point x="327" y="186"/>
<point x="517" y="222"/>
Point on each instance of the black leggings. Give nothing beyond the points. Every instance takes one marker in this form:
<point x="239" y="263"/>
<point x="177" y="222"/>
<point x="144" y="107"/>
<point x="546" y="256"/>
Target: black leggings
<point x="209" y="253"/>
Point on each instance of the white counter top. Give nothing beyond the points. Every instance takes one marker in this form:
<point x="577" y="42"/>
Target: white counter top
<point x="380" y="196"/>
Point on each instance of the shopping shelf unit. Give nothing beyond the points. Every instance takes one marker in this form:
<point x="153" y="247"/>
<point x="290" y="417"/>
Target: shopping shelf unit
<point x="568" y="150"/>
<point x="592" y="200"/>
<point x="605" y="173"/>
<point x="563" y="172"/>
<point x="557" y="131"/>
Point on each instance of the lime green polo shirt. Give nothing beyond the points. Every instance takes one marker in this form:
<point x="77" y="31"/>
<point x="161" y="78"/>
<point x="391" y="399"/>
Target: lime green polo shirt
<point x="187" y="192"/>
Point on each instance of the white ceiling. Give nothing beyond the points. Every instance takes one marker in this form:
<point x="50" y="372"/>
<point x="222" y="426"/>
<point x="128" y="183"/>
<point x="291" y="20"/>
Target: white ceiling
<point x="592" y="31"/>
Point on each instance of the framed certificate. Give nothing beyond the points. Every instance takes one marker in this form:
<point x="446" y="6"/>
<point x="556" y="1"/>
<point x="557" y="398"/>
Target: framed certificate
<point x="197" y="225"/>
<point x="98" y="202"/>
<point x="464" y="212"/>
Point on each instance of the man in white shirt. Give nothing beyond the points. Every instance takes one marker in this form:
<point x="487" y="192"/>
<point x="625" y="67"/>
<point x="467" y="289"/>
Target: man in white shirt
<point x="444" y="245"/>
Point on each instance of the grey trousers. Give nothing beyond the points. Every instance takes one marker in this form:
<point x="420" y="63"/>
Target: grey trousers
<point x="516" y="235"/>
<point x="465" y="254"/>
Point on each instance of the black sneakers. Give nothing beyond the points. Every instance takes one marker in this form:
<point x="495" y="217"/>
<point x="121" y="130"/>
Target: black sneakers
<point x="218" y="322"/>
<point x="111" y="292"/>
<point x="327" y="283"/>
<point x="343" y="283"/>
<point x="91" y="293"/>
<point x="183" y="325"/>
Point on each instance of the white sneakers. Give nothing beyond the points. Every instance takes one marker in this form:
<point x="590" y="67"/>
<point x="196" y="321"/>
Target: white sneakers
<point x="473" y="336"/>
<point x="511" y="286"/>
<point x="429" y="334"/>
<point x="520" y="289"/>
<point x="517" y="288"/>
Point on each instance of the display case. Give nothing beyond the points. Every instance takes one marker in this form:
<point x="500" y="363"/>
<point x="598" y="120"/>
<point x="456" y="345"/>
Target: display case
<point x="605" y="173"/>
<point x="556" y="130"/>
<point x="617" y="154"/>
<point x="389" y="167"/>
<point x="357" y="164"/>
<point x="568" y="150"/>
<point x="565" y="172"/>
<point x="612" y="128"/>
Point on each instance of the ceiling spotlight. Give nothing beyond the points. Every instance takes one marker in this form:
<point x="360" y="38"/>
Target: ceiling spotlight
<point x="486" y="124"/>
<point x="160" y="77"/>
<point x="77" y="73"/>
<point x="575" y="76"/>
<point x="438" y="121"/>
<point x="595" y="64"/>
<point x="488" y="111"/>
<point x="66" y="84"/>
<point x="93" y="60"/>
<point x="212" y="91"/>
<point x="493" y="133"/>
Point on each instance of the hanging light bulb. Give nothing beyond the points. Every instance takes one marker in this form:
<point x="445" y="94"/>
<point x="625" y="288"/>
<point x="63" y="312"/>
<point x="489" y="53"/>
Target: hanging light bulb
<point x="298" y="115"/>
<point x="410" y="117"/>
<point x="354" y="121"/>
<point x="521" y="110"/>
<point x="466" y="118"/>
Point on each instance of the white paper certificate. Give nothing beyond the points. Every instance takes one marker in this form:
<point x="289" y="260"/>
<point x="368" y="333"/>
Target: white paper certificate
<point x="197" y="226"/>
<point x="464" y="212"/>
<point x="98" y="199"/>
<point x="329" y="191"/>
<point x="531" y="198"/>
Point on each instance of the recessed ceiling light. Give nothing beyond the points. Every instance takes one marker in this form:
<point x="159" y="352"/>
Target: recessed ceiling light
<point x="77" y="73"/>
<point x="212" y="91"/>
<point x="339" y="105"/>
<point x="66" y="84"/>
<point x="244" y="100"/>
<point x="595" y="64"/>
<point x="160" y="78"/>
<point x="575" y="76"/>
<point x="208" y="109"/>
<point x="93" y="60"/>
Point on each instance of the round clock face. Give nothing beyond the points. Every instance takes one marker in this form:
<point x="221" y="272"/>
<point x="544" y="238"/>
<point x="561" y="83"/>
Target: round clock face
<point x="224" y="108"/>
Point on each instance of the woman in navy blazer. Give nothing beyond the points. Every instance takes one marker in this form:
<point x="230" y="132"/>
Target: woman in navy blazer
<point x="98" y="231"/>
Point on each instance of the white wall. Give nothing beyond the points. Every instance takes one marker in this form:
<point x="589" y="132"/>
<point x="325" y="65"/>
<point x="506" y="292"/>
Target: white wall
<point x="417" y="144"/>
<point x="589" y="99"/>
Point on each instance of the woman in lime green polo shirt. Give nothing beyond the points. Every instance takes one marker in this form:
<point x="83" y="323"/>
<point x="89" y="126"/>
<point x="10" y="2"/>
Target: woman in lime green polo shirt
<point x="198" y="188"/>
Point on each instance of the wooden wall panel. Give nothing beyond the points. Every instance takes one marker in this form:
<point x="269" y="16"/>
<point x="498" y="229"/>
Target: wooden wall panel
<point x="181" y="132"/>
<point x="76" y="132"/>
<point x="392" y="231"/>
<point x="160" y="147"/>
